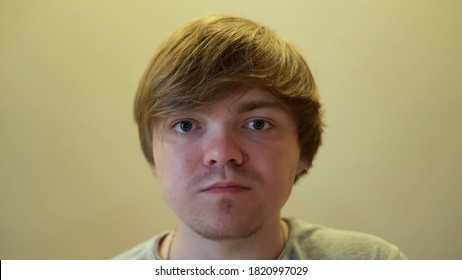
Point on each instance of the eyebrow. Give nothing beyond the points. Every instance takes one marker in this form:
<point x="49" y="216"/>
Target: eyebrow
<point x="254" y="105"/>
<point x="244" y="107"/>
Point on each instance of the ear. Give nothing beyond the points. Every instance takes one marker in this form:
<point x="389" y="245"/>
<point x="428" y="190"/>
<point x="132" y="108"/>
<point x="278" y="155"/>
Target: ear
<point x="153" y="168"/>
<point x="302" y="166"/>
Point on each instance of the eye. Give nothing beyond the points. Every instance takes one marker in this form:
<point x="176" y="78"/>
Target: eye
<point x="184" y="126"/>
<point x="258" y="125"/>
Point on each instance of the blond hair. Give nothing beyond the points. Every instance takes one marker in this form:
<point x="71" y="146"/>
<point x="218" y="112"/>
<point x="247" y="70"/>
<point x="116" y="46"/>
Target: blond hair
<point x="216" y="54"/>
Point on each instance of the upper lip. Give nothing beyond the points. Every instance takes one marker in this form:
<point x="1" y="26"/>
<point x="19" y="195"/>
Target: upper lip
<point x="225" y="185"/>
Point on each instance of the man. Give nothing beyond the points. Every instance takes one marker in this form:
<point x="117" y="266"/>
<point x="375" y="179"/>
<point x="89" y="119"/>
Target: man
<point x="229" y="118"/>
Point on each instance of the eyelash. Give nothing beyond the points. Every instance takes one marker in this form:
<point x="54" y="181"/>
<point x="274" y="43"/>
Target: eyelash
<point x="266" y="124"/>
<point x="178" y="129"/>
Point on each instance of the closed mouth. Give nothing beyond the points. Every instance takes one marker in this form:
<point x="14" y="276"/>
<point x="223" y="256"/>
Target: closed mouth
<point x="227" y="187"/>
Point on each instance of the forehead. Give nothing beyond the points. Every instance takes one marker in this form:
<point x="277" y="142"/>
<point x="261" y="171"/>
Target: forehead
<point x="239" y="101"/>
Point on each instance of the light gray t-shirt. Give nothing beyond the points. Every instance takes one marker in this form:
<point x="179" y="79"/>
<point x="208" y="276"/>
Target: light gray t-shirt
<point x="305" y="242"/>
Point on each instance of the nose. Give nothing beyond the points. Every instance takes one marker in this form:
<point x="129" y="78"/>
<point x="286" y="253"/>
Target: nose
<point x="223" y="148"/>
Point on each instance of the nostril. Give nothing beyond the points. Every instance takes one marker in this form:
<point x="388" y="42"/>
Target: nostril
<point x="233" y="161"/>
<point x="228" y="157"/>
<point x="222" y="148"/>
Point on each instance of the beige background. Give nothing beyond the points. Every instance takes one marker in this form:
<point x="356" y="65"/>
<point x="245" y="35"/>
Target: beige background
<point x="73" y="181"/>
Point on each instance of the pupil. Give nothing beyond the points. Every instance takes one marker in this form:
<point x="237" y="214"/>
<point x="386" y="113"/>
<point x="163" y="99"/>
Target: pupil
<point x="258" y="124"/>
<point x="185" y="126"/>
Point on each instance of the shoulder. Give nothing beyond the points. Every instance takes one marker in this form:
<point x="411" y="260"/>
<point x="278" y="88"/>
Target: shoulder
<point x="310" y="241"/>
<point x="147" y="250"/>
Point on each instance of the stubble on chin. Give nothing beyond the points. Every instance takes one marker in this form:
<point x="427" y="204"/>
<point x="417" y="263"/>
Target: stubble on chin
<point x="226" y="220"/>
<point x="231" y="224"/>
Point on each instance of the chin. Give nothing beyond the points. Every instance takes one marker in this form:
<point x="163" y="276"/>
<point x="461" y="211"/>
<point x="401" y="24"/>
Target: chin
<point x="226" y="228"/>
<point x="228" y="234"/>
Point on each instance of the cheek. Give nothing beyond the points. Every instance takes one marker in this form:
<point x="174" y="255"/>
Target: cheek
<point x="174" y="165"/>
<point x="281" y="164"/>
<point x="279" y="176"/>
<point x="170" y="177"/>
<point x="281" y="157"/>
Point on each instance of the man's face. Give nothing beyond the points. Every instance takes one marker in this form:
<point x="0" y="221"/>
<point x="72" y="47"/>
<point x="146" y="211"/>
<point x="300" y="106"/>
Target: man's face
<point x="227" y="170"/>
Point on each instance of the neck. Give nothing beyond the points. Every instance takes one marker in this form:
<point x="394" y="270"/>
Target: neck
<point x="267" y="243"/>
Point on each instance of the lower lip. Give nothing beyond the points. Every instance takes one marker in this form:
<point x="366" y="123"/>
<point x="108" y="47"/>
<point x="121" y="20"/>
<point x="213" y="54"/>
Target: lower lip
<point x="226" y="190"/>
